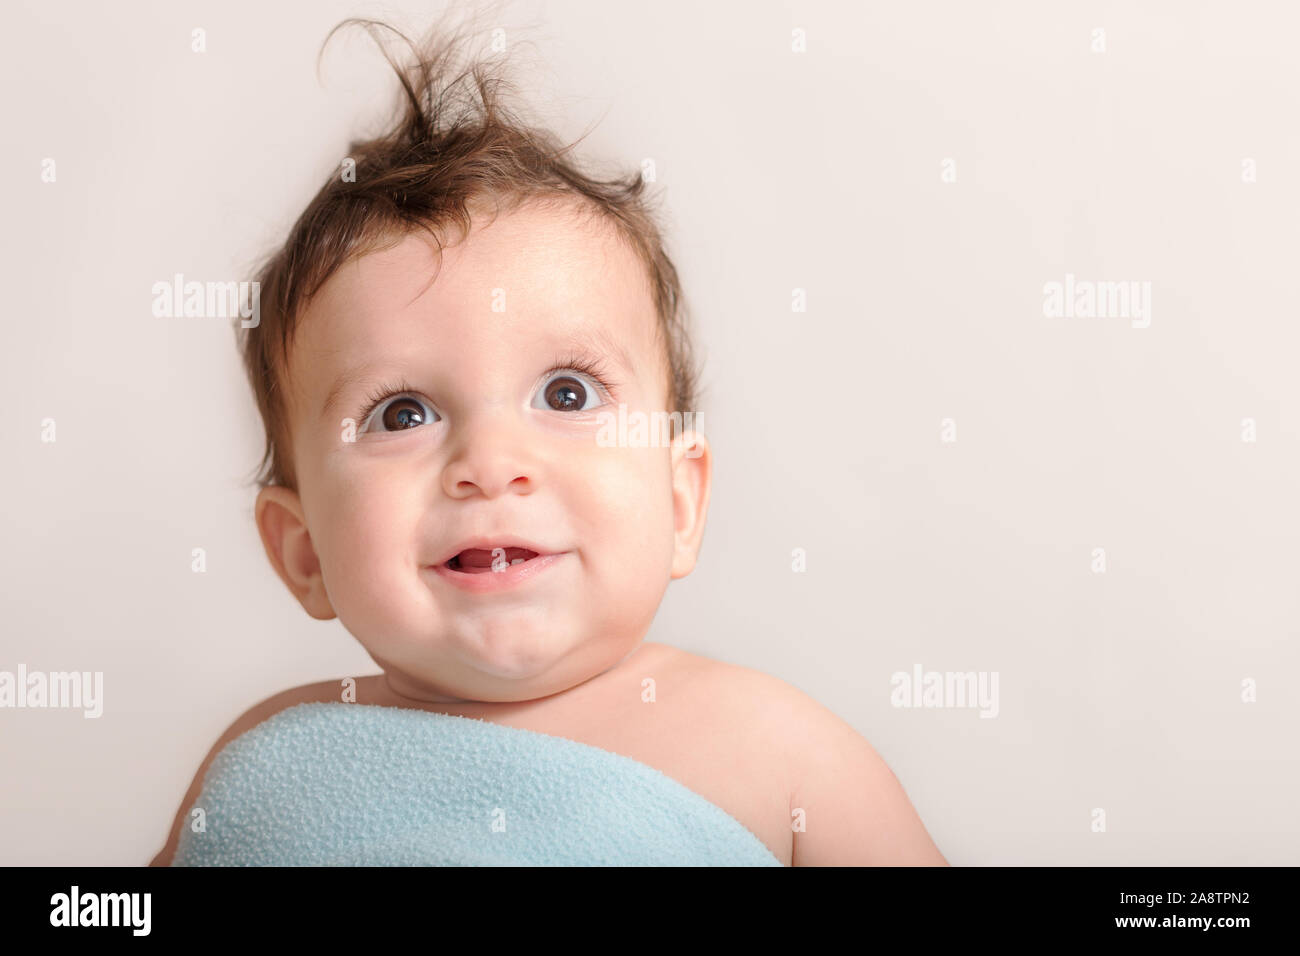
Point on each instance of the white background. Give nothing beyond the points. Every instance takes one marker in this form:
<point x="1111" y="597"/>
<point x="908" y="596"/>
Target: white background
<point x="820" y="171"/>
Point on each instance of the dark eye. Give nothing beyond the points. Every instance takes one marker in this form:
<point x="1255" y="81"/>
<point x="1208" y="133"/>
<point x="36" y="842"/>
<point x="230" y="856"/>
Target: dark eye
<point x="566" y="392"/>
<point x="399" y="414"/>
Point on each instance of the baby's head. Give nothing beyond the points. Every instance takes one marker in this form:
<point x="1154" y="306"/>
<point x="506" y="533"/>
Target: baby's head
<point x="443" y="342"/>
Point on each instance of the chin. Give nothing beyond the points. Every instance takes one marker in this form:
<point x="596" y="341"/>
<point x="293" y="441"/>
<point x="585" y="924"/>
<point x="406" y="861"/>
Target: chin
<point x="515" y="650"/>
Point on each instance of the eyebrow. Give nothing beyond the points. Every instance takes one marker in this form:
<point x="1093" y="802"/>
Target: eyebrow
<point x="596" y="340"/>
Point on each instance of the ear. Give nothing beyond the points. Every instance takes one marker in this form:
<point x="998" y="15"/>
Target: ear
<point x="288" y="545"/>
<point x="692" y="464"/>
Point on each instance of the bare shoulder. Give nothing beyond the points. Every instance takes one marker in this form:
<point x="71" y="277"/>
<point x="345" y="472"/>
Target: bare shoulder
<point x="752" y="714"/>
<point x="729" y="685"/>
<point x="851" y="807"/>
<point x="757" y="696"/>
<point x="325" y="690"/>
<point x="847" y="806"/>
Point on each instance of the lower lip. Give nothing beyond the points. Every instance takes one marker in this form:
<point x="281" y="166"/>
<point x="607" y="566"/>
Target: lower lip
<point x="511" y="576"/>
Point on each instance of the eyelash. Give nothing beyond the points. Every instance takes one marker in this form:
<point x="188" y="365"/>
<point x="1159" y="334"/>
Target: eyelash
<point x="574" y="362"/>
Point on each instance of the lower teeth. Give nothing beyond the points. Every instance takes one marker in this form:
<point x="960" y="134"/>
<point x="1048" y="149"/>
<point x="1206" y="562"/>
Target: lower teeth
<point x="455" y="565"/>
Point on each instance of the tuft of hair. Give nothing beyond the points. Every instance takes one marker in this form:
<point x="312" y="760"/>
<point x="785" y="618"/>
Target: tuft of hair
<point x="454" y="148"/>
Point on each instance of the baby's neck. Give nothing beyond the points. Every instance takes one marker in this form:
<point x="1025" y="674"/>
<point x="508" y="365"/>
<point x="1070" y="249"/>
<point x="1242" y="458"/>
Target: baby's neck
<point x="393" y="689"/>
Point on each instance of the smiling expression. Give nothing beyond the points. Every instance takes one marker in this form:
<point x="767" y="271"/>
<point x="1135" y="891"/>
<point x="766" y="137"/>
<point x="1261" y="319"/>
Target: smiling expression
<point x="454" y="508"/>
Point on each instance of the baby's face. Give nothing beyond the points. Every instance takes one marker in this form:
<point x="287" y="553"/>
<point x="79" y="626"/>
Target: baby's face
<point x="474" y="429"/>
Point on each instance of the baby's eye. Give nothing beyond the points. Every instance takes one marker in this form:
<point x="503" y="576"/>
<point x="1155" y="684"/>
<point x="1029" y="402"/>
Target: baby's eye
<point x="565" y="392"/>
<point x="399" y="413"/>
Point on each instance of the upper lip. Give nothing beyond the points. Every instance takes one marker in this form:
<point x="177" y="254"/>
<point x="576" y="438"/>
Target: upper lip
<point x="488" y="542"/>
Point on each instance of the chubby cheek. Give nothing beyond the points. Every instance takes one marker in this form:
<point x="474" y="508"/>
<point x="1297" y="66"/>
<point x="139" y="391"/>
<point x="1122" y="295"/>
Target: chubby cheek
<point x="621" y="503"/>
<point x="369" y="552"/>
<point x="612" y="505"/>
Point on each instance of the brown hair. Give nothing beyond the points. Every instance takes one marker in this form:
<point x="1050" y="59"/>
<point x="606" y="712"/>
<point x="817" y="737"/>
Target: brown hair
<point x="453" y="145"/>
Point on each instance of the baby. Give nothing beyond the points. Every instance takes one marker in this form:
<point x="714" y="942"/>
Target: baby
<point x="464" y="279"/>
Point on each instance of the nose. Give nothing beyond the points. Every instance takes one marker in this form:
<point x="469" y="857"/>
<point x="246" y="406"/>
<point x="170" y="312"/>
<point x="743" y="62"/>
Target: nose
<point x="491" y="459"/>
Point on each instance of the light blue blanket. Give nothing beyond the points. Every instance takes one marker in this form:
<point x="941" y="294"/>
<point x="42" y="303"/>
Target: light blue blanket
<point x="335" y="784"/>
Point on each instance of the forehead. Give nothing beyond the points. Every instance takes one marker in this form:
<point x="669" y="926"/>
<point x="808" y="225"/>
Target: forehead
<point x="535" y="278"/>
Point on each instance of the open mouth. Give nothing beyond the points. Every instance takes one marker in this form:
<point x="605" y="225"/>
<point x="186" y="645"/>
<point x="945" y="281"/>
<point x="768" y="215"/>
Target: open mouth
<point x="486" y="560"/>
